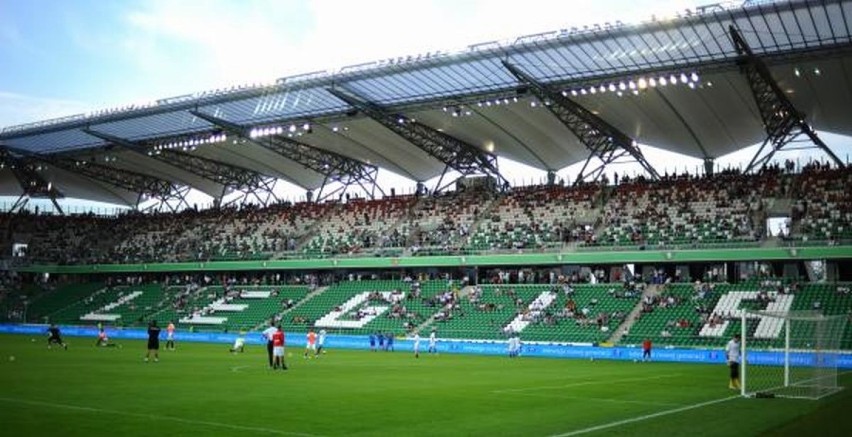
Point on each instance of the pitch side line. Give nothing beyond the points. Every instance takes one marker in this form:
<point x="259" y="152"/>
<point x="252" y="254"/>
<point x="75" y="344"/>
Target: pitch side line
<point x="645" y="417"/>
<point x="579" y="384"/>
<point x="156" y="417"/>
<point x="611" y="400"/>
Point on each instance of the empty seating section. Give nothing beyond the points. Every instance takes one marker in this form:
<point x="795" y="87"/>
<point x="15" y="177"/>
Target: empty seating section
<point x="136" y="305"/>
<point x="409" y="311"/>
<point x="686" y="210"/>
<point x="360" y="224"/>
<point x="676" y="317"/>
<point x="824" y="205"/>
<point x="681" y="315"/>
<point x="710" y="319"/>
<point x="240" y="308"/>
<point x="596" y="310"/>
<point x="536" y="217"/>
<point x="46" y="304"/>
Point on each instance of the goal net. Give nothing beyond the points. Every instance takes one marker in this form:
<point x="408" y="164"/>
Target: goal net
<point x="791" y="354"/>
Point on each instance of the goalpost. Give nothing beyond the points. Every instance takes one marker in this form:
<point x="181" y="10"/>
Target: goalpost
<point x="792" y="354"/>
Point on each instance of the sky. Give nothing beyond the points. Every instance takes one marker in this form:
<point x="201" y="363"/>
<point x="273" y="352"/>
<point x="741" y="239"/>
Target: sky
<point x="64" y="57"/>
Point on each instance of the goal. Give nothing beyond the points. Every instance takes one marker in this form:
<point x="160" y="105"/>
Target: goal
<point x="792" y="354"/>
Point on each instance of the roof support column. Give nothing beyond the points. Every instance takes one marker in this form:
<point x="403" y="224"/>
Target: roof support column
<point x="335" y="168"/>
<point x="781" y="120"/>
<point x="604" y="141"/>
<point x="454" y="153"/>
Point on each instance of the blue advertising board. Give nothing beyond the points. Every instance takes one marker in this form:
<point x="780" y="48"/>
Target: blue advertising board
<point x="549" y="350"/>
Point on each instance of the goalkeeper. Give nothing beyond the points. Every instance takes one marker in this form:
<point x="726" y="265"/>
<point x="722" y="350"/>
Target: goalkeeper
<point x="732" y="354"/>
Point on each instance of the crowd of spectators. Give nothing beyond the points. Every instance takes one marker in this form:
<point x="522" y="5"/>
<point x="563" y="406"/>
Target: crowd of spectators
<point x="678" y="210"/>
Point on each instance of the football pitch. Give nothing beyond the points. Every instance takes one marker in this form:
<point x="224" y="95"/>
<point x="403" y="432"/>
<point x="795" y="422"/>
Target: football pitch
<point x="202" y="389"/>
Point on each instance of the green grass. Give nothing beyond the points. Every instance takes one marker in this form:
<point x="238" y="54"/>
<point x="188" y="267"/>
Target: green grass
<point x="201" y="389"/>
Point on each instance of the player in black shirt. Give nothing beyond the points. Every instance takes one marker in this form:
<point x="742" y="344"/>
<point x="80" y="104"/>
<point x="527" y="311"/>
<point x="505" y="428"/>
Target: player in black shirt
<point x="153" y="341"/>
<point x="54" y="337"/>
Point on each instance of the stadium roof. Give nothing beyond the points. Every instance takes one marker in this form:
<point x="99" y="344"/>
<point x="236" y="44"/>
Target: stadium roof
<point x="608" y="68"/>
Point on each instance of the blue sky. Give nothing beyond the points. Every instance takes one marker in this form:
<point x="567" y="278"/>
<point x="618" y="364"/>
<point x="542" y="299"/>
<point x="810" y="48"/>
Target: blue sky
<point x="66" y="57"/>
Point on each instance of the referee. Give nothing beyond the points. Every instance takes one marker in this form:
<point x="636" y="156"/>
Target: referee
<point x="268" y="333"/>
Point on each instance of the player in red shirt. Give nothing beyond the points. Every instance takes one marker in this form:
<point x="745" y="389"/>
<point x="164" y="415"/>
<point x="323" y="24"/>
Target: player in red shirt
<point x="278" y="349"/>
<point x="646" y="350"/>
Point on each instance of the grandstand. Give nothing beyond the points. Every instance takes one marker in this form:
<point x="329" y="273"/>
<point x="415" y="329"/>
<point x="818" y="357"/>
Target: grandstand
<point x="464" y="216"/>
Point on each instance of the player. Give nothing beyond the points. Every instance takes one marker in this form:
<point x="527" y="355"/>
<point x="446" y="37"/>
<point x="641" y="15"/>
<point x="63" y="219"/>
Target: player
<point x="373" y="341"/>
<point x="153" y="341"/>
<point x="732" y="354"/>
<point x="416" y="345"/>
<point x="433" y="343"/>
<point x="103" y="340"/>
<point x="514" y="346"/>
<point x="170" y="336"/>
<point x="312" y="342"/>
<point x="267" y="334"/>
<point x="278" y="349"/>
<point x="646" y="350"/>
<point x="389" y="342"/>
<point x="321" y="342"/>
<point x="239" y="344"/>
<point x="54" y="337"/>
<point x="381" y="338"/>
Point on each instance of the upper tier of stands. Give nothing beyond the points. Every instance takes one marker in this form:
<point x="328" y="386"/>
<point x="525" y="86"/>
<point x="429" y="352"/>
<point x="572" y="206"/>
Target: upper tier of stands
<point x="685" y="210"/>
<point x="725" y="209"/>
<point x="358" y="225"/>
<point x="824" y="205"/>
<point x="538" y="217"/>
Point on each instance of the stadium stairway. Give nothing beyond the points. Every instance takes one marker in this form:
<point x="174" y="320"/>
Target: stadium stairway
<point x="312" y="230"/>
<point x="485" y="214"/>
<point x="651" y="290"/>
<point x="423" y="327"/>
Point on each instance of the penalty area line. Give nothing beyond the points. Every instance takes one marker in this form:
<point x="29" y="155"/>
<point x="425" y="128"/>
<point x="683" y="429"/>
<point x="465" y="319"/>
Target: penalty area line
<point x="645" y="417"/>
<point x="154" y="416"/>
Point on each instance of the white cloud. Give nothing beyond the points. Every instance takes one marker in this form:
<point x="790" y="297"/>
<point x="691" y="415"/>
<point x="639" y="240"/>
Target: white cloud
<point x="18" y="108"/>
<point x="238" y="42"/>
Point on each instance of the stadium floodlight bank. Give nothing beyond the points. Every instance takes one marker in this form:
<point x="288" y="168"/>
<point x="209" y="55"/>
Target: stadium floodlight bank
<point x="790" y="354"/>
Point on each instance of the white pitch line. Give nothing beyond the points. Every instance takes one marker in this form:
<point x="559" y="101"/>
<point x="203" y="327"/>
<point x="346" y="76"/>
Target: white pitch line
<point x="645" y="417"/>
<point x="579" y="384"/>
<point x="612" y="400"/>
<point x="238" y="368"/>
<point x="156" y="417"/>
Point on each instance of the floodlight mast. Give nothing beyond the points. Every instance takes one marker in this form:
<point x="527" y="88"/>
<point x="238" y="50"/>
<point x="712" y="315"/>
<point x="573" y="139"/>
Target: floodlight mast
<point x="604" y="141"/>
<point x="454" y="153"/>
<point x="334" y="167"/>
<point x="781" y="120"/>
